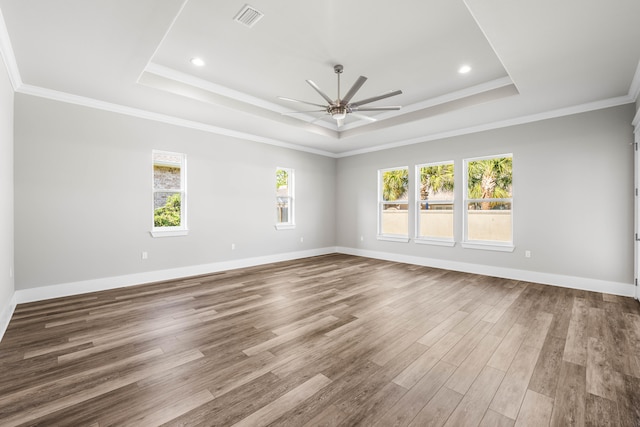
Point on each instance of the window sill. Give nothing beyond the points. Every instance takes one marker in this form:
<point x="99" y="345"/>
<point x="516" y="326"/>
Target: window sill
<point x="169" y="233"/>
<point x="489" y="246"/>
<point x="401" y="239"/>
<point x="435" y="242"/>
<point x="285" y="226"/>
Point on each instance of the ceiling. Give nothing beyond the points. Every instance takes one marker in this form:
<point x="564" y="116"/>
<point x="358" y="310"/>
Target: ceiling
<point x="529" y="60"/>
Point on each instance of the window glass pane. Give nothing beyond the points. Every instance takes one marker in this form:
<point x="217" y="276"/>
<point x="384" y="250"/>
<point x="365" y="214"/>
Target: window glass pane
<point x="394" y="219"/>
<point x="166" y="178"/>
<point x="166" y="171"/>
<point x="169" y="193"/>
<point x="395" y="184"/>
<point x="284" y="196"/>
<point x="489" y="221"/>
<point x="282" y="181"/>
<point x="436" y="221"/>
<point x="167" y="210"/>
<point x="283" y="209"/>
<point x="489" y="178"/>
<point x="393" y="197"/>
<point x="435" y="205"/>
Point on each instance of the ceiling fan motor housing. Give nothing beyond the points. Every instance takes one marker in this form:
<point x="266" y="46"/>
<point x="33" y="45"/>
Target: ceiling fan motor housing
<point x="338" y="110"/>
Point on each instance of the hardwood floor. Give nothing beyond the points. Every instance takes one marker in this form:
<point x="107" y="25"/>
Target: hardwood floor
<point x="330" y="340"/>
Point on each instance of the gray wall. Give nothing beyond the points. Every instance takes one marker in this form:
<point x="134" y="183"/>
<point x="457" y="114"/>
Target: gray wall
<point x="83" y="200"/>
<point x="572" y="192"/>
<point x="83" y="196"/>
<point x="6" y="189"/>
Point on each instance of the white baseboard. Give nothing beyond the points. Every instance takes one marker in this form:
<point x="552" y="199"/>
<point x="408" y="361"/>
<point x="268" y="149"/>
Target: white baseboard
<point x="103" y="284"/>
<point x="85" y="286"/>
<point x="582" y="283"/>
<point x="5" y="315"/>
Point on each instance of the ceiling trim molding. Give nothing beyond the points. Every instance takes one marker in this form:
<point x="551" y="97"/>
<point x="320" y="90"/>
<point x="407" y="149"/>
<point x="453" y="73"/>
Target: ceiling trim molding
<point x="561" y="112"/>
<point x="164" y="37"/>
<point x="486" y="37"/>
<point x="188" y="79"/>
<point x="171" y="74"/>
<point x="8" y="56"/>
<point x="438" y="100"/>
<point x="144" y="114"/>
<point x="634" y="88"/>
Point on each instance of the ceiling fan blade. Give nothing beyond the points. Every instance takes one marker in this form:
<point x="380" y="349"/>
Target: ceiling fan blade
<point x="322" y="94"/>
<point x="302" y="102"/>
<point x="389" y="108"/>
<point x="356" y="86"/>
<point x="376" y="98"/>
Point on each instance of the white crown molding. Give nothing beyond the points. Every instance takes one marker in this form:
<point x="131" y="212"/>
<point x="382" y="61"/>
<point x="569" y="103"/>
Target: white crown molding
<point x="8" y="56"/>
<point x="634" y="88"/>
<point x="582" y="283"/>
<point x="45" y="292"/>
<point x="190" y="80"/>
<point x="199" y="83"/>
<point x="135" y="112"/>
<point x="438" y="100"/>
<point x="144" y="114"/>
<point x="164" y="37"/>
<point x="561" y="112"/>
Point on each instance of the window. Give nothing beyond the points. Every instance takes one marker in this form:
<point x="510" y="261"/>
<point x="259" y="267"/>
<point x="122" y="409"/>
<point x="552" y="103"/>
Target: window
<point x="169" y="194"/>
<point x="434" y="206"/>
<point x="284" y="199"/>
<point x="488" y="203"/>
<point x="393" y="205"/>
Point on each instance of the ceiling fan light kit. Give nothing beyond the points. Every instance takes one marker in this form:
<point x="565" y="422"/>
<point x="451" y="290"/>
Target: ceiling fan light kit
<point x="341" y="107"/>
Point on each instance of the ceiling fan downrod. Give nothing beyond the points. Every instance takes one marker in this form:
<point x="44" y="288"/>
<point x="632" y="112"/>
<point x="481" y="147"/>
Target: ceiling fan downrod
<point x="338" y="70"/>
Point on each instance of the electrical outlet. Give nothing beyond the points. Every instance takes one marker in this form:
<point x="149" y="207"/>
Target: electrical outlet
<point x="527" y="254"/>
<point x="362" y="238"/>
<point x="301" y="239"/>
<point x="233" y="246"/>
<point x="145" y="255"/>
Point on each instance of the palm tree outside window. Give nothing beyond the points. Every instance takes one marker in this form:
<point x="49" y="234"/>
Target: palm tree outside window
<point x="393" y="203"/>
<point x="489" y="200"/>
<point x="435" y="203"/>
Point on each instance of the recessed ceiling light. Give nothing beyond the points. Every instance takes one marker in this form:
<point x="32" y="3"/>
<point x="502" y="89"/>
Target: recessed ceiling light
<point x="464" y="69"/>
<point x="198" y="62"/>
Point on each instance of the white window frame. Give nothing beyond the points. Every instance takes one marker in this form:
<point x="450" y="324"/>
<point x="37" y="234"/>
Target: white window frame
<point x="489" y="245"/>
<point x="391" y="237"/>
<point x="291" y="224"/>
<point x="424" y="240"/>
<point x="181" y="230"/>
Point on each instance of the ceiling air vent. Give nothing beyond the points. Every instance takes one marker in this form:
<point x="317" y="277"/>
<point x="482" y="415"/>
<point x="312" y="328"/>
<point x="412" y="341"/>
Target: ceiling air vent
<point x="248" y="16"/>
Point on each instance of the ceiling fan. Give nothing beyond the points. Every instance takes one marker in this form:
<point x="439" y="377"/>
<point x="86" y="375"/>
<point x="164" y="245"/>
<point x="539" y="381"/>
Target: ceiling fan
<point x="339" y="108"/>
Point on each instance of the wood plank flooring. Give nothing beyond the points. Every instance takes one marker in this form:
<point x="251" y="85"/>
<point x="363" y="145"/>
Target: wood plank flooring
<point x="331" y="340"/>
